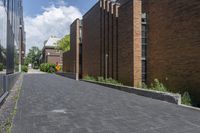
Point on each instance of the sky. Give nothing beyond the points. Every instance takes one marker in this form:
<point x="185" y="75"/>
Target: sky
<point x="45" y="18"/>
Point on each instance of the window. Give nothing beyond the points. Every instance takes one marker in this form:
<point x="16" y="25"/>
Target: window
<point x="144" y="51"/>
<point x="144" y="46"/>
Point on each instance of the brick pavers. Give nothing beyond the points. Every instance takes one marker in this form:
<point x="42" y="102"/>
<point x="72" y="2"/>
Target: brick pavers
<point x="54" y="104"/>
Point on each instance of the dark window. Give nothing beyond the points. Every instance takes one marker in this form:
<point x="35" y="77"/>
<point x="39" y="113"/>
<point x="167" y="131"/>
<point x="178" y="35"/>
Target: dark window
<point x="144" y="47"/>
<point x="144" y="51"/>
<point x="144" y="41"/>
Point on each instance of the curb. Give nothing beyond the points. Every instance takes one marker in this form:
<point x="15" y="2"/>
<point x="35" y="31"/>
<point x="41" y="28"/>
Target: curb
<point x="163" y="96"/>
<point x="190" y="107"/>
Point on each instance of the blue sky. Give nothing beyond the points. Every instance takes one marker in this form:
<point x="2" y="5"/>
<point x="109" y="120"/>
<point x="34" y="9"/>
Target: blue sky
<point x="34" y="7"/>
<point x="42" y="16"/>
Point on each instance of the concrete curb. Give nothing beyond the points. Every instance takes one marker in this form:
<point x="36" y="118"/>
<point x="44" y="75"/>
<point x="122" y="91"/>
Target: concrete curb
<point x="163" y="96"/>
<point x="190" y="107"/>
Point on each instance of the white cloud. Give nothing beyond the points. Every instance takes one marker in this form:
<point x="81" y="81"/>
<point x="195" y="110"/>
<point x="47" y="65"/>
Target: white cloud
<point x="55" y="20"/>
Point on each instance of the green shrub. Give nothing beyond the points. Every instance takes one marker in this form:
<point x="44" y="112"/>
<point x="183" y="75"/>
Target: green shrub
<point x="43" y="67"/>
<point x="24" y="69"/>
<point x="89" y="78"/>
<point x="186" y="99"/>
<point x="111" y="81"/>
<point x="143" y="86"/>
<point x="102" y="80"/>
<point x="158" y="86"/>
<point x="1" y="67"/>
<point x="46" y="67"/>
<point x="51" y="68"/>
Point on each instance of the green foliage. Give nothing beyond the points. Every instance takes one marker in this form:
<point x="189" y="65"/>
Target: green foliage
<point x="64" y="44"/>
<point x="144" y="86"/>
<point x="90" y="78"/>
<point x="158" y="86"/>
<point x="27" y="61"/>
<point x="112" y="81"/>
<point x="33" y="56"/>
<point x="186" y="99"/>
<point x="1" y="67"/>
<point x="43" y="67"/>
<point x="46" y="67"/>
<point x="24" y="69"/>
<point x="102" y="80"/>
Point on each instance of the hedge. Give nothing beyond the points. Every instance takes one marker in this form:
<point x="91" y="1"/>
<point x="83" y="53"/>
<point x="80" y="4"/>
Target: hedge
<point x="46" y="67"/>
<point x="24" y="69"/>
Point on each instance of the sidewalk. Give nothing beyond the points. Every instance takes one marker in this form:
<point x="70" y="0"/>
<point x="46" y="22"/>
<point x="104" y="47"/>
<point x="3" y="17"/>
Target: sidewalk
<point x="35" y="71"/>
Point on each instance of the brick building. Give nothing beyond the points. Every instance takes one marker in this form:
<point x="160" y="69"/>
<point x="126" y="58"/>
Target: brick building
<point x="103" y="56"/>
<point x="174" y="44"/>
<point x="111" y="40"/>
<point x="72" y="60"/>
<point x="136" y="41"/>
<point x="49" y="52"/>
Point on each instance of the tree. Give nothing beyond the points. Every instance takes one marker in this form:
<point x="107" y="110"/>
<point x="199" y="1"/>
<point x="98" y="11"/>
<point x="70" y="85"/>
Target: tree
<point x="64" y="44"/>
<point x="33" y="57"/>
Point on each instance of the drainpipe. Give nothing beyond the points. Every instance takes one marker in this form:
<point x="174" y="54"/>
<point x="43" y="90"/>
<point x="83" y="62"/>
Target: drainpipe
<point x="106" y="67"/>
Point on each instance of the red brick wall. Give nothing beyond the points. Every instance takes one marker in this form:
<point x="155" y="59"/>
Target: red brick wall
<point x="91" y="42"/>
<point x="129" y="57"/>
<point x="174" y="44"/>
<point x="107" y="32"/>
<point x="67" y="65"/>
<point x="115" y="42"/>
<point x="71" y="58"/>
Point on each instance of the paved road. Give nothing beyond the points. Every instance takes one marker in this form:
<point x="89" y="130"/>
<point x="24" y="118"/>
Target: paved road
<point x="53" y="104"/>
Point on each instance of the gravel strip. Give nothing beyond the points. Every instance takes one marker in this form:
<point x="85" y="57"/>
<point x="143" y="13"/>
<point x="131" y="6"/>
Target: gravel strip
<point x="8" y="108"/>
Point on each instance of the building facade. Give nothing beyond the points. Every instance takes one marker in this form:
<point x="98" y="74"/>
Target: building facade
<point x="174" y="44"/>
<point x="49" y="52"/>
<point x="105" y="49"/>
<point x="11" y="40"/>
<point x="111" y="34"/>
<point x="72" y="60"/>
<point x="135" y="41"/>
